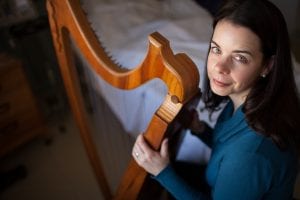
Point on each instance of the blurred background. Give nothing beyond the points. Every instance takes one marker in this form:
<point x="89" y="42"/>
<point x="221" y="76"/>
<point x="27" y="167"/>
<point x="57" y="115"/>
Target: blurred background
<point x="41" y="154"/>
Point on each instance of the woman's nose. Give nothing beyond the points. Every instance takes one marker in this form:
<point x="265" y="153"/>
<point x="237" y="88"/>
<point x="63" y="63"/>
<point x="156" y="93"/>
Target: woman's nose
<point x="222" y="66"/>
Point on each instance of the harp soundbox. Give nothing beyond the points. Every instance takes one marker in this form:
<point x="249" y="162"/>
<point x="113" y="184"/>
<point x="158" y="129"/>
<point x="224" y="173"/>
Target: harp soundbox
<point x="178" y="72"/>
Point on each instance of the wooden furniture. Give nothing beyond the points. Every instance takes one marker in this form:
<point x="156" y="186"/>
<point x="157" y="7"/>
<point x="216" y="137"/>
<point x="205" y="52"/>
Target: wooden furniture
<point x="178" y="72"/>
<point x="20" y="119"/>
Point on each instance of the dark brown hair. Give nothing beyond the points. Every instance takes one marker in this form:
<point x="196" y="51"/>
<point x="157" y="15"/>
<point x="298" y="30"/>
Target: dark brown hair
<point x="272" y="107"/>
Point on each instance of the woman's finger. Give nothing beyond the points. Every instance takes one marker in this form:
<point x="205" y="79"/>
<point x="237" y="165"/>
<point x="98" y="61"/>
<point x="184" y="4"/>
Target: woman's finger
<point x="143" y="145"/>
<point x="137" y="150"/>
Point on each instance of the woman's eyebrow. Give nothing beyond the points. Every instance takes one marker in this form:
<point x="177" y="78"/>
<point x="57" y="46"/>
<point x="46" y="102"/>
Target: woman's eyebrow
<point x="243" y="51"/>
<point x="235" y="51"/>
<point x="214" y="43"/>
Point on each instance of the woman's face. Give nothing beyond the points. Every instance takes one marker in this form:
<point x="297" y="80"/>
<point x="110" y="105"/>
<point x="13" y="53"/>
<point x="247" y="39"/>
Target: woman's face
<point x="235" y="61"/>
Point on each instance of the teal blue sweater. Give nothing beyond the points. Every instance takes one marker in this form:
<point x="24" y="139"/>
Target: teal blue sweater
<point x="243" y="165"/>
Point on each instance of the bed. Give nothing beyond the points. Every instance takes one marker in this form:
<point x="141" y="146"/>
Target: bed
<point x="116" y="116"/>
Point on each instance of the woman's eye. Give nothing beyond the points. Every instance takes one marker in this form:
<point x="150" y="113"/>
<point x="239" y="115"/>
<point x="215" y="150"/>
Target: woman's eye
<point x="215" y="50"/>
<point x="241" y="59"/>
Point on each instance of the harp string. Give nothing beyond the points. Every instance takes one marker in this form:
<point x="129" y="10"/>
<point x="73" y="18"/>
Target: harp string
<point x="116" y="119"/>
<point x="113" y="143"/>
<point x="114" y="140"/>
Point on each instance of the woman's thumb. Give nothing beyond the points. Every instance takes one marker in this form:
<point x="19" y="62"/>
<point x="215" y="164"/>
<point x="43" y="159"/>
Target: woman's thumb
<point x="164" y="152"/>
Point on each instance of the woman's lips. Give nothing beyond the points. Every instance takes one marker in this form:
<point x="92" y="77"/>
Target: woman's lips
<point x="220" y="84"/>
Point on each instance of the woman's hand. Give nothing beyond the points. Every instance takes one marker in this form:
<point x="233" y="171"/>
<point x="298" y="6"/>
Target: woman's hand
<point x="152" y="161"/>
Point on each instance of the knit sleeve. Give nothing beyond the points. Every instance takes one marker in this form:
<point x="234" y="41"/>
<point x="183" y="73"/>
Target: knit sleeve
<point x="177" y="186"/>
<point x="244" y="176"/>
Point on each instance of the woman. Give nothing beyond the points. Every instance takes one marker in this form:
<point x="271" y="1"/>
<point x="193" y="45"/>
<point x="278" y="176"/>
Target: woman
<point x="254" y="141"/>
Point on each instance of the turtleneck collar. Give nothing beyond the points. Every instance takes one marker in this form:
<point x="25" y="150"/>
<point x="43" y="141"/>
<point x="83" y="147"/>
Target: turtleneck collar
<point x="230" y="123"/>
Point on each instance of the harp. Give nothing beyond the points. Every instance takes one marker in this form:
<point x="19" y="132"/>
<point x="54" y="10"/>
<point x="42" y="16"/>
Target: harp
<point x="178" y="72"/>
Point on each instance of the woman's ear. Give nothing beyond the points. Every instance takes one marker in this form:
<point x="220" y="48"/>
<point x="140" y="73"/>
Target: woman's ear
<point x="268" y="67"/>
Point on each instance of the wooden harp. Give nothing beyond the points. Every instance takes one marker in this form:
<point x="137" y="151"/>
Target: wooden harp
<point x="178" y="72"/>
